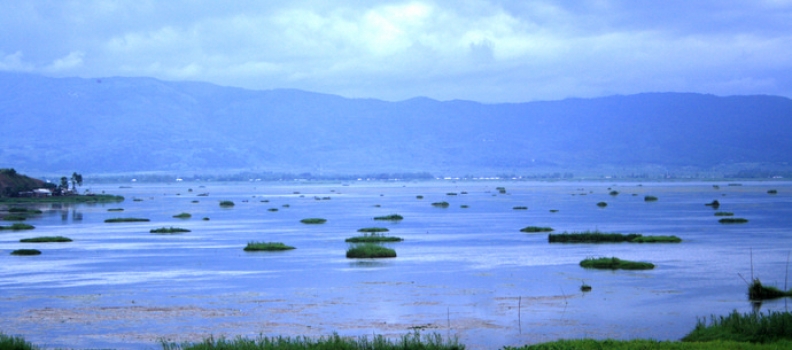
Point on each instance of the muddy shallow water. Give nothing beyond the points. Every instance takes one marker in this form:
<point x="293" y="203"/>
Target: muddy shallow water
<point x="465" y="272"/>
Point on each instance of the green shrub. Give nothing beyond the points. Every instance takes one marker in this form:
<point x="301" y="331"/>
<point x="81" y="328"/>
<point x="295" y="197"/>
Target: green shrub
<point x="169" y="230"/>
<point x="183" y="216"/>
<point x="534" y="229"/>
<point x="115" y="220"/>
<point x="313" y="221"/>
<point x="370" y="250"/>
<point x="615" y="263"/>
<point x="26" y="252"/>
<point x="266" y="246"/>
<point x="391" y="217"/>
<point x="46" y="239"/>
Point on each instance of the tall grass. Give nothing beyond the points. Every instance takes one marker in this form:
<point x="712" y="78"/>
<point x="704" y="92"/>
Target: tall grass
<point x="8" y="342"/>
<point x="412" y="341"/>
<point x="757" y="291"/>
<point x="645" y="344"/>
<point x="749" y="327"/>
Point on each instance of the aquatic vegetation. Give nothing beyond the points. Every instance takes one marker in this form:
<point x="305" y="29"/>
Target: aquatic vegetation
<point x="17" y="227"/>
<point x="440" y="204"/>
<point x="733" y="221"/>
<point x="114" y="220"/>
<point x="553" y="210"/>
<point x="15" y="218"/>
<point x="370" y="250"/>
<point x="772" y="191"/>
<point x="266" y="246"/>
<point x="757" y="291"/>
<point x="272" y="209"/>
<point x="373" y="229"/>
<point x="753" y="327"/>
<point x="451" y="194"/>
<point x="419" y="197"/>
<point x="602" y="204"/>
<point x="46" y="239"/>
<point x="533" y="229"/>
<point x="724" y="213"/>
<point x="226" y="204"/>
<point x="591" y="237"/>
<point x="714" y="204"/>
<point x="501" y="190"/>
<point x="613" y="193"/>
<point x="373" y="238"/>
<point x="15" y="343"/>
<point x="615" y="263"/>
<point x="412" y="341"/>
<point x="205" y="219"/>
<point x="647" y="344"/>
<point x="656" y="239"/>
<point x="115" y="209"/>
<point x="183" y="216"/>
<point x="169" y="230"/>
<point x="464" y="206"/>
<point x="650" y="199"/>
<point x="313" y="221"/>
<point x="26" y="252"/>
<point x="520" y="208"/>
<point x="585" y="287"/>
<point x="391" y="217"/>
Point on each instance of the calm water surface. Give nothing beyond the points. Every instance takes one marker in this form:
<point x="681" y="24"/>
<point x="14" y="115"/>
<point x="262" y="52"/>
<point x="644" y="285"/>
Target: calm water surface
<point x="466" y="272"/>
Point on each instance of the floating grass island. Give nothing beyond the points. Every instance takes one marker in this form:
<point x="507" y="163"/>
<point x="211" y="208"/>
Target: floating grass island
<point x="391" y="217"/>
<point x="733" y="221"/>
<point x="724" y="213"/>
<point x="46" y="239"/>
<point x="15" y="218"/>
<point x="602" y="204"/>
<point x="373" y="238"/>
<point x="440" y="204"/>
<point x="714" y="204"/>
<point x="169" y="230"/>
<point x="313" y="221"/>
<point x="772" y="191"/>
<point x="183" y="216"/>
<point x="601" y="237"/>
<point x="613" y="193"/>
<point x="266" y="247"/>
<point x="226" y="204"/>
<point x="115" y="209"/>
<point x="369" y="250"/>
<point x="615" y="264"/>
<point x="650" y="199"/>
<point x="520" y="208"/>
<point x="757" y="291"/>
<point x="115" y="220"/>
<point x="534" y="229"/>
<point x="373" y="229"/>
<point x="17" y="227"/>
<point x="25" y="252"/>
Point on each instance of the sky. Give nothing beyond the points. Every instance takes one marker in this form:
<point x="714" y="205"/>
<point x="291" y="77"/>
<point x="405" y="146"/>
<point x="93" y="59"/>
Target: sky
<point x="481" y="50"/>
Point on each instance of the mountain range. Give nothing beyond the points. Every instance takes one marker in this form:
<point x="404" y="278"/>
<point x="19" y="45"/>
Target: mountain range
<point x="119" y="125"/>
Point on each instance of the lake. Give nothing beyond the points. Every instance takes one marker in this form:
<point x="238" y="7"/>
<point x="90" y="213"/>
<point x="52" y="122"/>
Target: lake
<point x="464" y="271"/>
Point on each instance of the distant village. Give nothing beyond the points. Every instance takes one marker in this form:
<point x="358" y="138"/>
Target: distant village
<point x="13" y="184"/>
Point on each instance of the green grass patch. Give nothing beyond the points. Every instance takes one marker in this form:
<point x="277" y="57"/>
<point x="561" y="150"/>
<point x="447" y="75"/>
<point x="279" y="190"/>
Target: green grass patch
<point x="733" y="221"/>
<point x="369" y="250"/>
<point x="645" y="344"/>
<point x="46" y="239"/>
<point x="412" y="341"/>
<point x="169" y="230"/>
<point x="534" y="229"/>
<point x="757" y="327"/>
<point x="116" y="220"/>
<point x="440" y="204"/>
<point x="266" y="247"/>
<point x="183" y="216"/>
<point x="8" y="342"/>
<point x="650" y="199"/>
<point x="373" y="238"/>
<point x="391" y="217"/>
<point x="724" y="213"/>
<point x="373" y="229"/>
<point x="25" y="252"/>
<point x="17" y="227"/>
<point x="615" y="264"/>
<point x="226" y="204"/>
<point x="313" y="221"/>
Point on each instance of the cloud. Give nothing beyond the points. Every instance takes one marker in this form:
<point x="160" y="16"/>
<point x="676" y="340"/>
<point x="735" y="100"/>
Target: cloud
<point x="487" y="50"/>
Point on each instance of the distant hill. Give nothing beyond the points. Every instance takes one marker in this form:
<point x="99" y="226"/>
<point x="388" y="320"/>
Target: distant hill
<point x="11" y="183"/>
<point x="116" y="125"/>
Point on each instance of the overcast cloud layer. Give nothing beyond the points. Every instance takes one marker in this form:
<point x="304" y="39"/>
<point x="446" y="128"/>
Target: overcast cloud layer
<point x="481" y="50"/>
